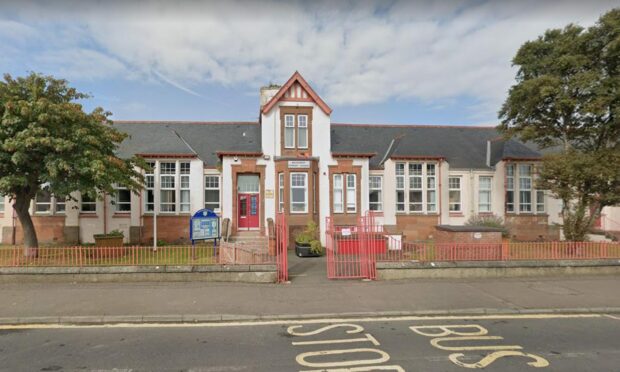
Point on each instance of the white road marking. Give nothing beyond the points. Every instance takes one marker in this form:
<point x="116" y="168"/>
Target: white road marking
<point x="612" y="316"/>
<point x="303" y="321"/>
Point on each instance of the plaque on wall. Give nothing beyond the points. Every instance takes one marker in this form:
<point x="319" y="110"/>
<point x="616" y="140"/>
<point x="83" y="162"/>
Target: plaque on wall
<point x="299" y="164"/>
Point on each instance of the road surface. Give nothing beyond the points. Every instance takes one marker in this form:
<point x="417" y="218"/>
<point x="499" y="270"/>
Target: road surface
<point x="587" y="342"/>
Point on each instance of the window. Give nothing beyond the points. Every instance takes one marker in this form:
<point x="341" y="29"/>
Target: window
<point x="299" y="193"/>
<point x="43" y="202"/>
<point x="431" y="185"/>
<point x="302" y="131"/>
<point x="510" y="188"/>
<point x="351" y="193"/>
<point x="2" y="201"/>
<point x="212" y="192"/>
<point x="281" y="192"/>
<point x="184" y="205"/>
<point x="338" y="190"/>
<point x="400" y="187"/>
<point x="150" y="188"/>
<point x="454" y="187"/>
<point x="540" y="201"/>
<point x="88" y="204"/>
<point x="289" y="131"/>
<point x="415" y="187"/>
<point x="375" y="187"/>
<point x="484" y="194"/>
<point x="525" y="188"/>
<point x="122" y="199"/>
<point x="59" y="205"/>
<point x="167" y="185"/>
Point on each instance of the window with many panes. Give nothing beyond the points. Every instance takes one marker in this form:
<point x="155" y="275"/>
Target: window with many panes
<point x="484" y="194"/>
<point x="149" y="180"/>
<point x="184" y="204"/>
<point x="167" y="186"/>
<point x="338" y="191"/>
<point x="344" y="189"/>
<point x="416" y="187"/>
<point x="454" y="194"/>
<point x="521" y="195"/>
<point x="281" y="192"/>
<point x="296" y="131"/>
<point x="212" y="192"/>
<point x="351" y="193"/>
<point x="122" y="199"/>
<point x="2" y="201"/>
<point x="400" y="187"/>
<point x="299" y="193"/>
<point x="375" y="196"/>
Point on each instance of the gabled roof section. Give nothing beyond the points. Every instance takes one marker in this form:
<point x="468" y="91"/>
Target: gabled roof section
<point x="296" y="88"/>
<point x="203" y="139"/>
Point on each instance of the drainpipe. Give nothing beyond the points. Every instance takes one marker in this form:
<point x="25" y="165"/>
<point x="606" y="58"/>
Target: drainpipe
<point x="105" y="213"/>
<point x="471" y="192"/>
<point x="155" y="203"/>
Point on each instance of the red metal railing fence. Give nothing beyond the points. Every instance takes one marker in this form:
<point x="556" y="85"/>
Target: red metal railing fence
<point x="281" y="247"/>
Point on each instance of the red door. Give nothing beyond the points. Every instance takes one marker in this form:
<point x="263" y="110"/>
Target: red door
<point x="248" y="211"/>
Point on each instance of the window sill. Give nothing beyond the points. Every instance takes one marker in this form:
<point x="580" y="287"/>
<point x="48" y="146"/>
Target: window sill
<point x="456" y="214"/>
<point x="88" y="215"/>
<point x="121" y="215"/>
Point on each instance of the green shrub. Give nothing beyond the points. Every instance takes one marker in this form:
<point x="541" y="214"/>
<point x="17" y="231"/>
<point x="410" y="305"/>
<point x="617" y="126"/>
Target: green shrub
<point x="309" y="237"/>
<point x="489" y="221"/>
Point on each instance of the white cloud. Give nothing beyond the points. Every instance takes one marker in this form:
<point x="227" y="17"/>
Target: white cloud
<point x="353" y="52"/>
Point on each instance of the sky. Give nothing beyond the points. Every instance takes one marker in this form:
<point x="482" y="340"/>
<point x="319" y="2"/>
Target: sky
<point x="418" y="62"/>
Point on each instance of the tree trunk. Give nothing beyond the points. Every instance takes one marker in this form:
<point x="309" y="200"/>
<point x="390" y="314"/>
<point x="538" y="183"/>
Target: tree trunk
<point x="31" y="243"/>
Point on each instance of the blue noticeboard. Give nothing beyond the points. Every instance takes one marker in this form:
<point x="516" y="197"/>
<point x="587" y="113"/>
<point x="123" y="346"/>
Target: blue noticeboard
<point x="204" y="224"/>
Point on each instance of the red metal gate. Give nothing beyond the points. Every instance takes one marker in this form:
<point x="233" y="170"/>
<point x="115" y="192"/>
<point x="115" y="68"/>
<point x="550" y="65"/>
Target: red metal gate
<point x="352" y="250"/>
<point x="281" y="233"/>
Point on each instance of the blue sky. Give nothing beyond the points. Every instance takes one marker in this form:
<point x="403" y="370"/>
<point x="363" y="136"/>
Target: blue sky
<point x="373" y="62"/>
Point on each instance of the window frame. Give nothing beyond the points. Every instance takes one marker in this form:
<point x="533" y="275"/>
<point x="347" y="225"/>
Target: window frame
<point x="372" y="187"/>
<point x="49" y="204"/>
<point x="281" y="185"/>
<point x="117" y="203"/>
<point x="149" y="179"/>
<point x="299" y="130"/>
<point x="305" y="188"/>
<point x="340" y="189"/>
<point x="488" y="191"/>
<point x="184" y="176"/>
<point x="452" y="189"/>
<point x="291" y="127"/>
<point x="400" y="179"/>
<point x="171" y="190"/>
<point x="351" y="176"/>
<point x="209" y="187"/>
<point x="90" y="202"/>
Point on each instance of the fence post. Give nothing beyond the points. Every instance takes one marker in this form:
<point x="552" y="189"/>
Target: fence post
<point x="505" y="250"/>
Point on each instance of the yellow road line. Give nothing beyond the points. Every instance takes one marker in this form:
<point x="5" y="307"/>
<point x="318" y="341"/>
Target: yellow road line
<point x="289" y="322"/>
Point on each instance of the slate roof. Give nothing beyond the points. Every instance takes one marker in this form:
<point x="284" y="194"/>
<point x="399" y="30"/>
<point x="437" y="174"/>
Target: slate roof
<point x="463" y="147"/>
<point x="204" y="139"/>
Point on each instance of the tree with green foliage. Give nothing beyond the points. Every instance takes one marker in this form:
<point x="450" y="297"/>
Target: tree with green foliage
<point x="47" y="141"/>
<point x="567" y="100"/>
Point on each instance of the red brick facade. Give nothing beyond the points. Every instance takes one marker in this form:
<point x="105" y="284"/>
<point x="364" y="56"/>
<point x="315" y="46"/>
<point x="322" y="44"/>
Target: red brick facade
<point x="417" y="227"/>
<point x="50" y="229"/>
<point x="170" y="229"/>
<point x="442" y="236"/>
<point x="531" y="228"/>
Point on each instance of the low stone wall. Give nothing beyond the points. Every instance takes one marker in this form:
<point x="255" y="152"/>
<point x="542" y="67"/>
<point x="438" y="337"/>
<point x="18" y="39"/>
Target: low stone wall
<point x="214" y="273"/>
<point x="494" y="269"/>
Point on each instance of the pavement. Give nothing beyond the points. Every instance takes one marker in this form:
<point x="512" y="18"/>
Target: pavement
<point x="309" y="295"/>
<point x="568" y="343"/>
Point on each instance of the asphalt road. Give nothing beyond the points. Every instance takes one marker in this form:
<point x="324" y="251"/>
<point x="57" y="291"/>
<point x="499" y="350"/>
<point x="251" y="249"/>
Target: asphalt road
<point x="501" y="343"/>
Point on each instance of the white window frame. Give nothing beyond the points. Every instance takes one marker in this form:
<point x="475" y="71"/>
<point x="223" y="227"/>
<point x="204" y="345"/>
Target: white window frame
<point x="57" y="202"/>
<point x="486" y="190"/>
<point x="281" y="192"/>
<point x="351" y="193"/>
<point x="510" y="187"/>
<point x="2" y="201"/>
<point x="414" y="179"/>
<point x="82" y="204"/>
<point x="149" y="186"/>
<point x="301" y="128"/>
<point x="289" y="126"/>
<point x="525" y="179"/>
<point x="375" y="184"/>
<point x="118" y="203"/>
<point x="209" y="187"/>
<point x="174" y="188"/>
<point x="458" y="189"/>
<point x="184" y="178"/>
<point x="400" y="187"/>
<point x="47" y="204"/>
<point x="305" y="188"/>
<point x="517" y="178"/>
<point x="338" y="202"/>
<point x="540" y="201"/>
<point x="431" y="187"/>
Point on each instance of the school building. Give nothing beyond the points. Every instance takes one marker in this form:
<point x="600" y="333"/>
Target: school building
<point x="295" y="160"/>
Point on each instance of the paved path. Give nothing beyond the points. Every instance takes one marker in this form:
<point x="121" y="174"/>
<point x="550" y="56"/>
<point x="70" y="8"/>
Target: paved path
<point x="306" y="296"/>
<point x="507" y="343"/>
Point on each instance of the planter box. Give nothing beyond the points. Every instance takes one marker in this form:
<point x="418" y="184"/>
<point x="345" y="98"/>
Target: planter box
<point x="106" y="247"/>
<point x="303" y="250"/>
<point x="108" y="241"/>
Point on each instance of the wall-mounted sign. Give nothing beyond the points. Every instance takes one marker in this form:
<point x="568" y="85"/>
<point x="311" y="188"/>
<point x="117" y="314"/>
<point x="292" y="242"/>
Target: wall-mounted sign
<point x="298" y="164"/>
<point x="477" y="235"/>
<point x="268" y="194"/>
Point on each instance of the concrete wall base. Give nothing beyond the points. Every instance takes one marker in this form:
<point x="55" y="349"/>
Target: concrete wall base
<point x="233" y="273"/>
<point x="498" y="269"/>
